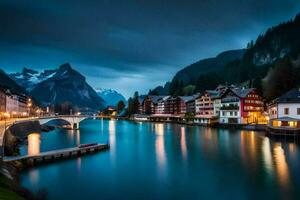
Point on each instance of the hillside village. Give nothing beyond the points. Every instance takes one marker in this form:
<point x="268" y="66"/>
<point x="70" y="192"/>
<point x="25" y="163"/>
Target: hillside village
<point x="226" y="105"/>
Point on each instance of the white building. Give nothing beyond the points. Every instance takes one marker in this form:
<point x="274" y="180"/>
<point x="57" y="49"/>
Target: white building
<point x="285" y="110"/>
<point x="217" y="106"/>
<point x="16" y="105"/>
<point x="12" y="104"/>
<point x="242" y="106"/>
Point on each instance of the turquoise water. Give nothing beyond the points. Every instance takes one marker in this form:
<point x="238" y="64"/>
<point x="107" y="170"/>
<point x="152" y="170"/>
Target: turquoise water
<point x="165" y="161"/>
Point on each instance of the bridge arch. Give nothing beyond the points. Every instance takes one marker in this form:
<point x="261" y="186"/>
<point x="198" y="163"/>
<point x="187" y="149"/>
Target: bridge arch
<point x="74" y="121"/>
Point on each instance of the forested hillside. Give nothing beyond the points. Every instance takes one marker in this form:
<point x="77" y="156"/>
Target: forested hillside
<point x="271" y="64"/>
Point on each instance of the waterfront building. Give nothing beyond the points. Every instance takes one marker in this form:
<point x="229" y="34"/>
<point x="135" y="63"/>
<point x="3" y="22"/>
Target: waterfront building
<point x="140" y="101"/>
<point x="24" y="104"/>
<point x="16" y="104"/>
<point x="191" y="105"/>
<point x="177" y="105"/>
<point x="204" y="106"/>
<point x="242" y="106"/>
<point x="284" y="112"/>
<point x="12" y="104"/>
<point x="161" y="104"/>
<point x="2" y="102"/>
<point x="109" y="111"/>
<point x="150" y="104"/>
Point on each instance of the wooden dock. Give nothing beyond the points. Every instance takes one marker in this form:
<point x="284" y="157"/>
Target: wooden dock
<point x="54" y="155"/>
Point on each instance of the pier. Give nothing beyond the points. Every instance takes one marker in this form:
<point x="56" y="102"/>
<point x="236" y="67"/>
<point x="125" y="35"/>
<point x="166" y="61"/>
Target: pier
<point x="50" y="156"/>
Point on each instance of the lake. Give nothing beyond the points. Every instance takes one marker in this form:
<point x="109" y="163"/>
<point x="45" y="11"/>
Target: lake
<point x="165" y="161"/>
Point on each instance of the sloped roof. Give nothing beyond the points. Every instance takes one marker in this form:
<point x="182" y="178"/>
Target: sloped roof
<point x="156" y="98"/>
<point x="241" y="92"/>
<point x="163" y="98"/>
<point x="292" y="96"/>
<point x="195" y="96"/>
<point x="213" y="93"/>
<point x="186" y="98"/>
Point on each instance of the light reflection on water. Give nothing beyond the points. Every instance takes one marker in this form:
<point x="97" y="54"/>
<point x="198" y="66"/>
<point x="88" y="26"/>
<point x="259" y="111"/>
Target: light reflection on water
<point x="34" y="144"/>
<point x="183" y="143"/>
<point x="281" y="166"/>
<point x="112" y="138"/>
<point x="169" y="161"/>
<point x="160" y="147"/>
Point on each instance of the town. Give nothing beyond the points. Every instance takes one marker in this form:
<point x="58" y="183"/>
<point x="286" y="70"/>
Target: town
<point x="13" y="104"/>
<point x="229" y="106"/>
<point x="225" y="105"/>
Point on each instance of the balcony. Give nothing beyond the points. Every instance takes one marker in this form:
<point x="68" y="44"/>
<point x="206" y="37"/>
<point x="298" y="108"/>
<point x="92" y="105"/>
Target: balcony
<point x="230" y="99"/>
<point x="230" y="107"/>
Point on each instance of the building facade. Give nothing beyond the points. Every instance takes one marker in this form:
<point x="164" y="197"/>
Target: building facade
<point x="12" y="104"/>
<point x="285" y="110"/>
<point x="161" y="105"/>
<point x="242" y="106"/>
<point x="204" y="106"/>
<point x="2" y="101"/>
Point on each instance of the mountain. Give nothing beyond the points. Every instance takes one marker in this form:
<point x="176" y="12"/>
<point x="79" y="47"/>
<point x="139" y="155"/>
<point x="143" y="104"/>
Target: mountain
<point x="161" y="90"/>
<point x="271" y="64"/>
<point x="6" y="81"/>
<point x="276" y="43"/>
<point x="111" y="97"/>
<point x="59" y="87"/>
<point x="193" y="71"/>
<point x="29" y="78"/>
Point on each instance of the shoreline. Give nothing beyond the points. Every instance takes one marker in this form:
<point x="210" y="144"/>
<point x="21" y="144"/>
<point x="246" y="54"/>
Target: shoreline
<point x="248" y="127"/>
<point x="9" y="173"/>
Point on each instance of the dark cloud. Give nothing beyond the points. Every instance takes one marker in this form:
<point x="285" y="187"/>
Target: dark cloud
<point x="130" y="39"/>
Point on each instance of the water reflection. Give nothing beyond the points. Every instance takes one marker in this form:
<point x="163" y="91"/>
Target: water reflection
<point x="34" y="176"/>
<point x="160" y="146"/>
<point x="183" y="143"/>
<point x="281" y="166"/>
<point x="112" y="137"/>
<point x="267" y="155"/>
<point x="34" y="144"/>
<point x="196" y="160"/>
<point x="78" y="164"/>
<point x="250" y="149"/>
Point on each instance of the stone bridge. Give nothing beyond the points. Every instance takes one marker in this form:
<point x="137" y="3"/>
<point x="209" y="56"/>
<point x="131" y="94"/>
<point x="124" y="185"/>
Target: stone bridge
<point x="73" y="120"/>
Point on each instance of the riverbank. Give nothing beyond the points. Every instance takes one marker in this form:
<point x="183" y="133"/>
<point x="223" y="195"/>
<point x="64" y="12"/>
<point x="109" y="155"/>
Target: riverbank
<point x="249" y="127"/>
<point x="9" y="180"/>
<point x="10" y="188"/>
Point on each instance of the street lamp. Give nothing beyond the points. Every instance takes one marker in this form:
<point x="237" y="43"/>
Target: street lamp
<point x="29" y="104"/>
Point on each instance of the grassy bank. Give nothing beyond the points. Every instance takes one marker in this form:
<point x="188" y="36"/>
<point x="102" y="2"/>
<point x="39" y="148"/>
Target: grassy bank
<point x="9" y="195"/>
<point x="7" y="189"/>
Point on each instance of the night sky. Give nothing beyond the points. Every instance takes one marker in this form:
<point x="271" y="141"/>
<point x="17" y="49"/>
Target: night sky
<point x="130" y="45"/>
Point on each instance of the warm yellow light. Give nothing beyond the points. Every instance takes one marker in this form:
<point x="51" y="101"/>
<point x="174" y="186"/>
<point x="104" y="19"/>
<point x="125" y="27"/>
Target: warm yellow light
<point x="6" y="115"/>
<point x="292" y="124"/>
<point x="34" y="144"/>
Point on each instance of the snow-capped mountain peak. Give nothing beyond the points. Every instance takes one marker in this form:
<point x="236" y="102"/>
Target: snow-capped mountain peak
<point x="29" y="78"/>
<point x="110" y="96"/>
